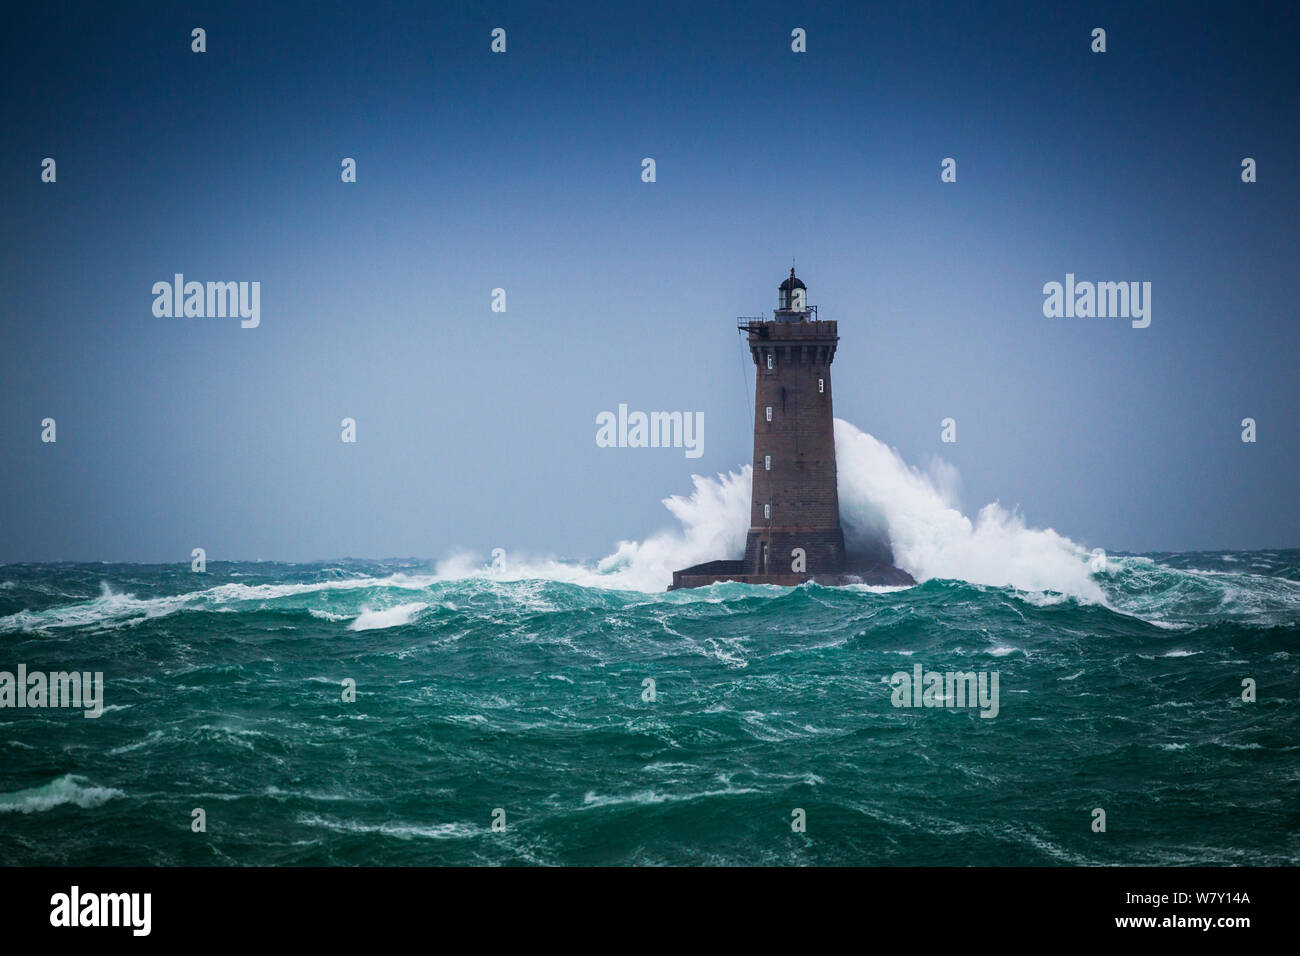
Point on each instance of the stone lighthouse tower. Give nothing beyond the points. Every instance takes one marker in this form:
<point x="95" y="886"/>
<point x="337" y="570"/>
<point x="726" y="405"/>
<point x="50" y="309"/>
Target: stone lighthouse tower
<point x="794" y="521"/>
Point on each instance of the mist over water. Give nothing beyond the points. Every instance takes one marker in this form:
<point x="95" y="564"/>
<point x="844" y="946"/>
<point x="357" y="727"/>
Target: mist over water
<point x="881" y="496"/>
<point x="932" y="539"/>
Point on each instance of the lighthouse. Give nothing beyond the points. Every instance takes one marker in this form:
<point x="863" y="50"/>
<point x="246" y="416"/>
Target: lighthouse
<point x="794" y="520"/>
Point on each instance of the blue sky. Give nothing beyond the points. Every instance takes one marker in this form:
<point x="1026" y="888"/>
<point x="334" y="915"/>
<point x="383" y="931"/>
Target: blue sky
<point x="522" y="171"/>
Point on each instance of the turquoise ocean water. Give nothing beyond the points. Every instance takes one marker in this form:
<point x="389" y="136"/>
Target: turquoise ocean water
<point x="224" y="691"/>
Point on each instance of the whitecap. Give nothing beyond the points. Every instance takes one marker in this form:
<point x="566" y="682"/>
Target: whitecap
<point x="68" y="789"/>
<point x="397" y="616"/>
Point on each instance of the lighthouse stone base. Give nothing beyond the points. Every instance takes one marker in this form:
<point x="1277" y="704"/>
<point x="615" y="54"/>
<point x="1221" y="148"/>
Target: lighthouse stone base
<point x="716" y="572"/>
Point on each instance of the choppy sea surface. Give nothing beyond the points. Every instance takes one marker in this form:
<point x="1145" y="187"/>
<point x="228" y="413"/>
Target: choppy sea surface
<point x="485" y="692"/>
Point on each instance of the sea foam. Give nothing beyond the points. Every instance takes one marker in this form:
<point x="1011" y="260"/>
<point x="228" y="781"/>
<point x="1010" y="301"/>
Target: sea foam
<point x="880" y="494"/>
<point x="387" y="617"/>
<point x="68" y="789"/>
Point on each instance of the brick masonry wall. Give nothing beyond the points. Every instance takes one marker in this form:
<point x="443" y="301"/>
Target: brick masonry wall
<point x="800" y="438"/>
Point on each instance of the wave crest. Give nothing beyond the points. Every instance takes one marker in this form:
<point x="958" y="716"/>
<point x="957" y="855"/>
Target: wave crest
<point x="58" y="792"/>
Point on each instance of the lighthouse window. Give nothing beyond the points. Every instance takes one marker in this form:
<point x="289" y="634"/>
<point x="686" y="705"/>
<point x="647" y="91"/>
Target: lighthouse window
<point x="767" y="511"/>
<point x="767" y="462"/>
<point x="769" y="413"/>
<point x="821" y="385"/>
<point x="769" y="360"/>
